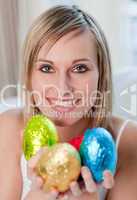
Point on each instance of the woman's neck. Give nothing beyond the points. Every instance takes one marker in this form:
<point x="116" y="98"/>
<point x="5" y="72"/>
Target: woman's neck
<point x="66" y="133"/>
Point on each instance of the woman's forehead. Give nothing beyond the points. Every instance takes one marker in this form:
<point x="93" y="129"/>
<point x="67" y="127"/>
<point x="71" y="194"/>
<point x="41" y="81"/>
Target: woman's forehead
<point x="74" y="43"/>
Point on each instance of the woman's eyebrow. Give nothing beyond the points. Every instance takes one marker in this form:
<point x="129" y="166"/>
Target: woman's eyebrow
<point x="81" y="59"/>
<point x="44" y="60"/>
<point x="51" y="62"/>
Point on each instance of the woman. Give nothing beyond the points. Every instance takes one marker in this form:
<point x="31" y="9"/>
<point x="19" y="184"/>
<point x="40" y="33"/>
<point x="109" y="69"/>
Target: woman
<point x="67" y="77"/>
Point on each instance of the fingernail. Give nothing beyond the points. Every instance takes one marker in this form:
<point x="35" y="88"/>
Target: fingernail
<point x="84" y="170"/>
<point x="54" y="191"/>
<point x="86" y="173"/>
<point x="72" y="184"/>
<point x="105" y="173"/>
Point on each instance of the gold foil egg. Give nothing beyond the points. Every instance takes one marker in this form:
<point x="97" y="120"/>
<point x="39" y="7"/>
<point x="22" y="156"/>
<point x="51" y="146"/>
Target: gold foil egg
<point x="58" y="166"/>
<point x="40" y="131"/>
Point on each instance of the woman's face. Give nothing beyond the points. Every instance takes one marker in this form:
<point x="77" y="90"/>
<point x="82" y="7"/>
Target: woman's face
<point x="65" y="78"/>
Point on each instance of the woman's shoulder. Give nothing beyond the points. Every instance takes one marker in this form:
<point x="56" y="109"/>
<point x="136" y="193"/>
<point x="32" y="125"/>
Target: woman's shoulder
<point x="12" y="118"/>
<point x="116" y="123"/>
<point x="127" y="147"/>
<point x="126" y="174"/>
<point x="10" y="150"/>
<point x="11" y="126"/>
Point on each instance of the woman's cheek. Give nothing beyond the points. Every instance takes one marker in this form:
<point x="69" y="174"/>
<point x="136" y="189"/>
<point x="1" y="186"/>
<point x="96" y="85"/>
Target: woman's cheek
<point x="37" y="92"/>
<point x="91" y="91"/>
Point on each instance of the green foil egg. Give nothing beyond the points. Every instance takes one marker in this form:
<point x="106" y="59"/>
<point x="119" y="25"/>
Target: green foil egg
<point x="39" y="132"/>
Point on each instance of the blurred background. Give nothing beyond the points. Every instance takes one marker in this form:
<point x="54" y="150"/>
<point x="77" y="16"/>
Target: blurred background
<point x="118" y="19"/>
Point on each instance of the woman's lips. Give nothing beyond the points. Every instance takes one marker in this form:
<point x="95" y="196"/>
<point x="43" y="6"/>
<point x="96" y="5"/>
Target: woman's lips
<point x="63" y="106"/>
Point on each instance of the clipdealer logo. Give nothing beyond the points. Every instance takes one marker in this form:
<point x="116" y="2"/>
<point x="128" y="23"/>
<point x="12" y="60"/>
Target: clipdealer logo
<point x="130" y="93"/>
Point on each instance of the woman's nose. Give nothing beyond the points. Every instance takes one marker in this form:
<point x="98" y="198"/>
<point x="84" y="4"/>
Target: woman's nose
<point x="64" y="85"/>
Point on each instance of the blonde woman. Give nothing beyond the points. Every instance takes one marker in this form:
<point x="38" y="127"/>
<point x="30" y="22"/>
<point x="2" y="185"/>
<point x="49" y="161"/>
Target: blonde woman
<point x="66" y="62"/>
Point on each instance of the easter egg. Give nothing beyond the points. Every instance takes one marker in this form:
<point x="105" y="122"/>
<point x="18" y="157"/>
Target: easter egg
<point x="39" y="131"/>
<point x="58" y="166"/>
<point x="98" y="152"/>
<point x="76" y="142"/>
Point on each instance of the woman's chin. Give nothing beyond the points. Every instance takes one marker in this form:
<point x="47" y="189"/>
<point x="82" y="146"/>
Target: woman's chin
<point x="61" y="119"/>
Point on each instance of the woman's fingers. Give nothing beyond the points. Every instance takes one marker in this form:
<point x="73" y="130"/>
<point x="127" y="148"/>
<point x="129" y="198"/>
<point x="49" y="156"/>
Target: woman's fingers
<point x="38" y="194"/>
<point x="32" y="163"/>
<point x="52" y="195"/>
<point x="90" y="185"/>
<point x="36" y="183"/>
<point x="64" y="197"/>
<point x="108" y="180"/>
<point x="75" y="189"/>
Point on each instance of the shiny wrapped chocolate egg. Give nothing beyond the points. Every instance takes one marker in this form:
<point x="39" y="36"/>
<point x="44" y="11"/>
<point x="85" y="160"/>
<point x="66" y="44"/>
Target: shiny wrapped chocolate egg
<point x="76" y="142"/>
<point x="39" y="131"/>
<point x="58" y="166"/>
<point x="98" y="152"/>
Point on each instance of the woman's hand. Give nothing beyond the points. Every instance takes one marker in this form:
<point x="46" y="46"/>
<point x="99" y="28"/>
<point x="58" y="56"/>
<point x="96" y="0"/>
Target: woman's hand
<point x="88" y="190"/>
<point x="36" y="192"/>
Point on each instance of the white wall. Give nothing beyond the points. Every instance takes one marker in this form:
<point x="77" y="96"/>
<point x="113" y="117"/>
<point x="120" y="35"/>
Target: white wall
<point x="107" y="12"/>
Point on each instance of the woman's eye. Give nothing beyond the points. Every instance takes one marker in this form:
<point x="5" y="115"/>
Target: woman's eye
<point x="80" y="68"/>
<point x="46" y="69"/>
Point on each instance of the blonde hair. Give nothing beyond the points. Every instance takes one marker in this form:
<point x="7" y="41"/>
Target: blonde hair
<point x="52" y="25"/>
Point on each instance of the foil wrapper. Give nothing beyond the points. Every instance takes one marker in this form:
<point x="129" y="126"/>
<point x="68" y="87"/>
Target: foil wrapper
<point x="58" y="166"/>
<point x="39" y="132"/>
<point x="98" y="152"/>
<point x="76" y="142"/>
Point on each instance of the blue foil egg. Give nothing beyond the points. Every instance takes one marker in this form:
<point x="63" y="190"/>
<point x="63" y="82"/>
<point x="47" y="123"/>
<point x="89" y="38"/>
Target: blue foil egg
<point x="98" y="152"/>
